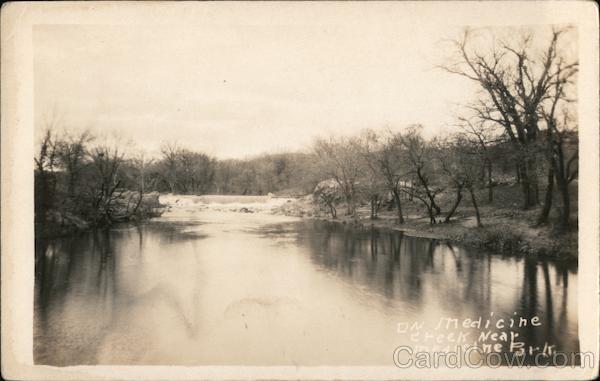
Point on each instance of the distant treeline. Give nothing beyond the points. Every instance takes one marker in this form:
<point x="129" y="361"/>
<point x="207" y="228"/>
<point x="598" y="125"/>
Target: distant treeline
<point x="82" y="175"/>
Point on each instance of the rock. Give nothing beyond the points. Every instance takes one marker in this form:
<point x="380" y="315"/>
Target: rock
<point x="66" y="220"/>
<point x="76" y="221"/>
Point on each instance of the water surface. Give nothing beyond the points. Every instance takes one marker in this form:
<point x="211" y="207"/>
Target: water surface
<point x="204" y="286"/>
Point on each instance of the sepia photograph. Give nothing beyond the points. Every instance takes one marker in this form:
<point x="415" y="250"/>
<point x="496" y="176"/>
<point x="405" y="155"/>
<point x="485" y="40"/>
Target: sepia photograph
<point x="300" y="190"/>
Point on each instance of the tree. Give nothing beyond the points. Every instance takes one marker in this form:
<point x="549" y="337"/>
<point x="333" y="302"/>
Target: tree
<point x="141" y="162"/>
<point x="516" y="82"/>
<point x="328" y="195"/>
<point x="340" y="160"/>
<point x="45" y="181"/>
<point x="224" y="176"/>
<point x="463" y="166"/>
<point x="194" y="172"/>
<point x="372" y="188"/>
<point x="420" y="159"/>
<point x="563" y="157"/>
<point x="106" y="161"/>
<point x="386" y="159"/>
<point x="71" y="152"/>
<point x="484" y="137"/>
<point x="170" y="153"/>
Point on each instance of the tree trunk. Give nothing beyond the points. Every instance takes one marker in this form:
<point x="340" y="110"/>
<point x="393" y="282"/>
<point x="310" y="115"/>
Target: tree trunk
<point x="565" y="210"/>
<point x="566" y="207"/>
<point x="43" y="197"/>
<point x="71" y="186"/>
<point x="333" y="211"/>
<point x="477" y="215"/>
<point x="428" y="193"/>
<point x="532" y="182"/>
<point x="458" y="198"/>
<point x="398" y="205"/>
<point x="139" y="201"/>
<point x="349" y="207"/>
<point x="562" y="184"/>
<point x="490" y="181"/>
<point x="348" y="197"/>
<point x="528" y="184"/>
<point x="543" y="218"/>
<point x="373" y="207"/>
<point x="431" y="215"/>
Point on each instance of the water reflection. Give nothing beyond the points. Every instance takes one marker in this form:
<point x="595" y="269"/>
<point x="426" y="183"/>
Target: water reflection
<point x="251" y="292"/>
<point x="416" y="273"/>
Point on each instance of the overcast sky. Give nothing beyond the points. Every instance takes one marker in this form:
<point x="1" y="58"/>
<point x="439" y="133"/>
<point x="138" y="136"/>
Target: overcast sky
<point x="234" y="89"/>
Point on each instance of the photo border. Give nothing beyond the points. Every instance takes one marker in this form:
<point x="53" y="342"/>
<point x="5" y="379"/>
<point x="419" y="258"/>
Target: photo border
<point x="17" y="244"/>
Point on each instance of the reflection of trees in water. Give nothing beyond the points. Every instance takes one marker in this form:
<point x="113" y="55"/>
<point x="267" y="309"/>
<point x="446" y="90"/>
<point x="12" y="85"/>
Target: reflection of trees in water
<point x="386" y="261"/>
<point x="548" y="292"/>
<point x="529" y="293"/>
<point x="79" y="299"/>
<point x="53" y="269"/>
<point x="73" y="267"/>
<point x="415" y="270"/>
<point x="393" y="260"/>
<point x="84" y="261"/>
<point x="562" y="278"/>
<point x="106" y="280"/>
<point x="535" y="302"/>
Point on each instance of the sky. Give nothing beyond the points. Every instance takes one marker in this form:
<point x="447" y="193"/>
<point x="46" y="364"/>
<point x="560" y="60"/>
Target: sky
<point x="241" y="88"/>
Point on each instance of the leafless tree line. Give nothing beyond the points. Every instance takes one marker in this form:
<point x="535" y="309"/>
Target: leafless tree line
<point x="526" y="91"/>
<point x="103" y="181"/>
<point x="524" y="114"/>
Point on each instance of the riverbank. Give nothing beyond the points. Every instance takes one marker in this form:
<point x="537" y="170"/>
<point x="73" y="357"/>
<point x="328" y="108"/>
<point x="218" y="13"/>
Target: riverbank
<point x="507" y="231"/>
<point x="60" y="221"/>
<point x="504" y="230"/>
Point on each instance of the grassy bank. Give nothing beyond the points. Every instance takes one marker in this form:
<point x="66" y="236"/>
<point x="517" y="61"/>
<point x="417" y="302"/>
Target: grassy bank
<point x="506" y="228"/>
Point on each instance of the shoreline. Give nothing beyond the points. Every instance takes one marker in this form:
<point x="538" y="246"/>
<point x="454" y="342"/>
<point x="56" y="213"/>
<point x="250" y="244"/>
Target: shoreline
<point x="499" y="234"/>
<point x="60" y="222"/>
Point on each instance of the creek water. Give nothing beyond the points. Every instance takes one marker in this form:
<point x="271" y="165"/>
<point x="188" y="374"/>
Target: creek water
<point x="206" y="286"/>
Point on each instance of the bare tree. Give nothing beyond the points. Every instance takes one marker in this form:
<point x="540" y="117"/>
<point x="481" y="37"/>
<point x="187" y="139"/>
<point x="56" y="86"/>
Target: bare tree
<point x="45" y="183"/>
<point x="421" y="163"/>
<point x="71" y="153"/>
<point x="106" y="160"/>
<point x="517" y="83"/>
<point x="170" y="152"/>
<point x="463" y="166"/>
<point x="372" y="187"/>
<point x="386" y="159"/>
<point x="141" y="161"/>
<point x="563" y="154"/>
<point x="328" y="195"/>
<point x="484" y="136"/>
<point x="194" y="172"/>
<point x="339" y="159"/>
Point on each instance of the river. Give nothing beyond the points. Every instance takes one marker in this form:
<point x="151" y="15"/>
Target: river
<point x="206" y="285"/>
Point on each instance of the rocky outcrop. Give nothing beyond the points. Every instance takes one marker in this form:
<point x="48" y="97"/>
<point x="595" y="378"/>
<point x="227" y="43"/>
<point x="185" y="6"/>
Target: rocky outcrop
<point x="66" y="220"/>
<point x="129" y="206"/>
